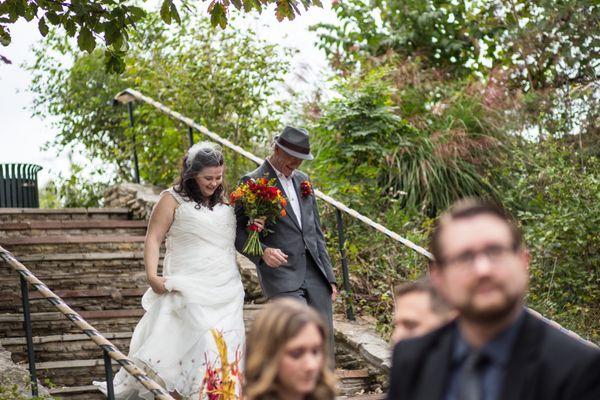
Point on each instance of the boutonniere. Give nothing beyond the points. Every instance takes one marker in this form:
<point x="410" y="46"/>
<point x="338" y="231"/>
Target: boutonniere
<point x="306" y="189"/>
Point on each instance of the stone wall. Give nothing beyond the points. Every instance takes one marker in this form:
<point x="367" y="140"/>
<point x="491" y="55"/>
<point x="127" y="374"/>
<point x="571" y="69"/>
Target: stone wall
<point x="14" y="378"/>
<point x="139" y="199"/>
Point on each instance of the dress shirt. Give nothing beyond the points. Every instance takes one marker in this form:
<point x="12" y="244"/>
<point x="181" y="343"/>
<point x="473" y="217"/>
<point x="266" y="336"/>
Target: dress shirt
<point x="496" y="352"/>
<point x="290" y="192"/>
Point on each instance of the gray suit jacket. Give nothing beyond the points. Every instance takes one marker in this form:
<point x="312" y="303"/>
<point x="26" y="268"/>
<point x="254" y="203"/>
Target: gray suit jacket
<point x="288" y="237"/>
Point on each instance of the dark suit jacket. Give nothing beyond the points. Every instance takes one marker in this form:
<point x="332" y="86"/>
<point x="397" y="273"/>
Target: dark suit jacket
<point x="545" y="364"/>
<point x="288" y="237"/>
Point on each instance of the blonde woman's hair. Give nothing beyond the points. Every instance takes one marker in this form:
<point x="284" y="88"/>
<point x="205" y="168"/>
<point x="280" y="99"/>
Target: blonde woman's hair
<point x="274" y="326"/>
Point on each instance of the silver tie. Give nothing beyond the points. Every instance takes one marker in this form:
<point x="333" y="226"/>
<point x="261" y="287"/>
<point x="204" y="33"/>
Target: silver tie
<point x="470" y="383"/>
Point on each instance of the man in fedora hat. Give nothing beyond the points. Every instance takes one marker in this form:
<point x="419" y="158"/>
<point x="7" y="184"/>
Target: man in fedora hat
<point x="295" y="262"/>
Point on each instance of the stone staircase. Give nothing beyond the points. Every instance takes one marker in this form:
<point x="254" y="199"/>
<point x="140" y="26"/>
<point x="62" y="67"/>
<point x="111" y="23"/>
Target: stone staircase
<point x="93" y="260"/>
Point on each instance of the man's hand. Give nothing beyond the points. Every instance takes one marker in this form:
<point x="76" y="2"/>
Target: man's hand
<point x="334" y="292"/>
<point x="157" y="283"/>
<point x="259" y="223"/>
<point x="274" y="257"/>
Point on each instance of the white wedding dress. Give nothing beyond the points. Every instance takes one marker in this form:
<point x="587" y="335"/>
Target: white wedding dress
<point x="173" y="341"/>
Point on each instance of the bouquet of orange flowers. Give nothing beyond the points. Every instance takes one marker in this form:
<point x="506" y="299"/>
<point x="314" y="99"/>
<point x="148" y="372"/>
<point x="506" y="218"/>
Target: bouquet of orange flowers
<point x="260" y="199"/>
<point x="222" y="382"/>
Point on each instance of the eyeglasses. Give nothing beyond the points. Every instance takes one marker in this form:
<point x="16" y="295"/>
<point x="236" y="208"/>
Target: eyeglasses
<point x="495" y="253"/>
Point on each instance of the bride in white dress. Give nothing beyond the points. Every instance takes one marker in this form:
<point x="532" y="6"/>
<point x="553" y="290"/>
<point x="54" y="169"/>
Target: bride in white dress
<point x="200" y="287"/>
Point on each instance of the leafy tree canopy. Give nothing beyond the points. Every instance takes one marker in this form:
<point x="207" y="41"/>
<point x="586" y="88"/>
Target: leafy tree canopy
<point x="543" y="43"/>
<point x="112" y="22"/>
<point x="225" y="80"/>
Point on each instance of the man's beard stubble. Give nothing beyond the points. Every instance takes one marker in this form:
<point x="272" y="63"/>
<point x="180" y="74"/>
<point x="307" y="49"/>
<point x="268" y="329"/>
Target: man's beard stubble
<point x="484" y="316"/>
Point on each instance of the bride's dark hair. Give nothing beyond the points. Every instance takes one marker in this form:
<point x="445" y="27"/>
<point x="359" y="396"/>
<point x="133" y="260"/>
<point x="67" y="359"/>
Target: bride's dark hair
<point x="198" y="157"/>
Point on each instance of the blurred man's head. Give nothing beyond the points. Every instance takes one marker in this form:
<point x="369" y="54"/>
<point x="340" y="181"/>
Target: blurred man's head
<point x="481" y="265"/>
<point x="418" y="310"/>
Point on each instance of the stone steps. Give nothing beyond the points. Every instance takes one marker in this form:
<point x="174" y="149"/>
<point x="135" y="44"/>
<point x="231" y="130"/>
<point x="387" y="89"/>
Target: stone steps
<point x="35" y="228"/>
<point x="87" y="281"/>
<point x="79" y="271"/>
<point x="81" y="299"/>
<point x="84" y="392"/>
<point x="70" y="239"/>
<point x="72" y="244"/>
<point x="53" y="214"/>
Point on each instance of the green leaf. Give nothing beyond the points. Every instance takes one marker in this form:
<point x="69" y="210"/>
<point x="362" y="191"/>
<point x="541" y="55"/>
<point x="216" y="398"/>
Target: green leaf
<point x="250" y="4"/>
<point x="52" y="17"/>
<point x="218" y="16"/>
<point x="70" y="27"/>
<point x="43" y="28"/>
<point x="165" y="11"/>
<point x="175" y="13"/>
<point x="86" y="40"/>
<point x="137" y="13"/>
<point x="4" y="36"/>
<point x="114" y="62"/>
<point x="111" y="33"/>
<point x="30" y="12"/>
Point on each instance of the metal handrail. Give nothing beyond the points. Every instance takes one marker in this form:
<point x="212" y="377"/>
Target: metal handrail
<point x="110" y="351"/>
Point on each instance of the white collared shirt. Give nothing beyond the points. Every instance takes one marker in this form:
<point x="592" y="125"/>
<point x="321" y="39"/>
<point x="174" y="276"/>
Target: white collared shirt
<point x="290" y="192"/>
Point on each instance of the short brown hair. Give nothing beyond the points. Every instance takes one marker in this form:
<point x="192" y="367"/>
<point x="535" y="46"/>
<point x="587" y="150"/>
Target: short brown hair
<point x="273" y="327"/>
<point x="467" y="208"/>
<point x="438" y="305"/>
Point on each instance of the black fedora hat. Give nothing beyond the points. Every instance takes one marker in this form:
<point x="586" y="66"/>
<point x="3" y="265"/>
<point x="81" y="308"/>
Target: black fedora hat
<point x="294" y="141"/>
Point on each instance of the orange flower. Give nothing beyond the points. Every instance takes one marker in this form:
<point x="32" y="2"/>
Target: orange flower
<point x="283" y="213"/>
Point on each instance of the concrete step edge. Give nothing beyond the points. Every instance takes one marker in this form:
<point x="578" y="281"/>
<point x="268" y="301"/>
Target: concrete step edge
<point x="82" y="256"/>
<point x="72" y="239"/>
<point x="69" y="364"/>
<point x="131" y="312"/>
<point x="62" y="338"/>
<point x="55" y="315"/>
<point x="73" y="389"/>
<point x="73" y="224"/>
<point x="108" y="210"/>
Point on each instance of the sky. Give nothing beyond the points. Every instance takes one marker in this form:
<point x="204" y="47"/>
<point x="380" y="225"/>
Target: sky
<point x="22" y="136"/>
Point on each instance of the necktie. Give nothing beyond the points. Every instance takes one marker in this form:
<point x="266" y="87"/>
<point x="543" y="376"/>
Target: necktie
<point x="470" y="384"/>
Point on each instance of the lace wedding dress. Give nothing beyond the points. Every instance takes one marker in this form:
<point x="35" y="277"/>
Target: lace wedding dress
<point x="172" y="341"/>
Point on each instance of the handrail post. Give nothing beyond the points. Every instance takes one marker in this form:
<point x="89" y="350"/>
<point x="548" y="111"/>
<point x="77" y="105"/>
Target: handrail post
<point x="345" y="272"/>
<point x="191" y="135"/>
<point x="135" y="157"/>
<point x="28" y="334"/>
<point x="110" y="390"/>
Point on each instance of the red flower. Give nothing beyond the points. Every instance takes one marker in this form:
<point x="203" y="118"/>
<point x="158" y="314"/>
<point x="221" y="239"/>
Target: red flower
<point x="306" y="188"/>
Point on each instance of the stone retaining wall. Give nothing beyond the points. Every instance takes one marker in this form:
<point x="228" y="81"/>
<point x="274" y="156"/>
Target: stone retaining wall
<point x="14" y="378"/>
<point x="139" y="199"/>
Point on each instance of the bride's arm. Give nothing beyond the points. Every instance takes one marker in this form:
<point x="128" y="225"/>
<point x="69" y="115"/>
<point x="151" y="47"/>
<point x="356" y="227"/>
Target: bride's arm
<point x="158" y="226"/>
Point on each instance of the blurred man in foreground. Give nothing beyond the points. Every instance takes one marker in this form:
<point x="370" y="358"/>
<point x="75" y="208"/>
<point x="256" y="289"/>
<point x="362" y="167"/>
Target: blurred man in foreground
<point x="495" y="349"/>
